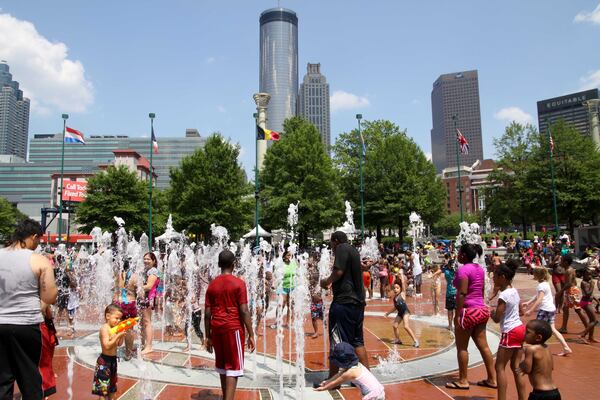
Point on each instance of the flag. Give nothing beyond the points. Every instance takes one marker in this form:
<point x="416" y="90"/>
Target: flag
<point x="73" y="136"/>
<point x="266" y="134"/>
<point x="464" y="145"/>
<point x="154" y="142"/>
<point x="551" y="145"/>
<point x="363" y="145"/>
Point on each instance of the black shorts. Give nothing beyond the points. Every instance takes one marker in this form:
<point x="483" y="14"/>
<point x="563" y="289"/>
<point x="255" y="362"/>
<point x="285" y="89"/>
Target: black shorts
<point x="450" y="303"/>
<point x="346" y="324"/>
<point x="553" y="394"/>
<point x="20" y="351"/>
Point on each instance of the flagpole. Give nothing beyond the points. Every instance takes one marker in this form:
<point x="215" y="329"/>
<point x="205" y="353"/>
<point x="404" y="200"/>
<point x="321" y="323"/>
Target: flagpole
<point x="151" y="116"/>
<point x="256" y="182"/>
<point x="62" y="171"/>
<point x="455" y="118"/>
<point x="362" y="182"/>
<point x="553" y="181"/>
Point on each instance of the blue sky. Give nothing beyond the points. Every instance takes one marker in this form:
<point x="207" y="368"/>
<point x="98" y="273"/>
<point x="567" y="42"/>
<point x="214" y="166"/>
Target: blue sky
<point x="195" y="63"/>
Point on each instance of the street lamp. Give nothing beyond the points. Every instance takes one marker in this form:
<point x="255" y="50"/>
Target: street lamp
<point x="362" y="183"/>
<point x="65" y="117"/>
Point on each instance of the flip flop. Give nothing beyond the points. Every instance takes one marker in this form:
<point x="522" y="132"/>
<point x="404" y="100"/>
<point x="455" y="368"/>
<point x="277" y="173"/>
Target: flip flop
<point x="485" y="383"/>
<point x="455" y="385"/>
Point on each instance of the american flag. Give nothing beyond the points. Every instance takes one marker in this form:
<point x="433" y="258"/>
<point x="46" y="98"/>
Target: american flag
<point x="551" y="145"/>
<point x="464" y="145"/>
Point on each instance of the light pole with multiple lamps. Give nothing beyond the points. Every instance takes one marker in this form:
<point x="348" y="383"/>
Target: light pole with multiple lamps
<point x="362" y="182"/>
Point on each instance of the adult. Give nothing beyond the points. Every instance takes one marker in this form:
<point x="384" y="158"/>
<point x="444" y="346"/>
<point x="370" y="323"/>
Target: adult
<point x="126" y="299"/>
<point x="226" y="315"/>
<point x="471" y="318"/>
<point x="25" y="279"/>
<point x="151" y="282"/>
<point x="417" y="270"/>
<point x="347" y="310"/>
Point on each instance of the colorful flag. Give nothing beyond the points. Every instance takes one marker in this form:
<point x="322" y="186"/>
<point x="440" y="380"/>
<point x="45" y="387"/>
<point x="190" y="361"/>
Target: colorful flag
<point x="154" y="142"/>
<point x="363" y="145"/>
<point x="266" y="134"/>
<point x="73" y="136"/>
<point x="462" y="141"/>
<point x="551" y="145"/>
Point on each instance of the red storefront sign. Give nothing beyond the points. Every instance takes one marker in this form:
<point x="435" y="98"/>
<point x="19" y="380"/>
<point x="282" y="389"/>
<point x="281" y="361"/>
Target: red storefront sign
<point x="74" y="191"/>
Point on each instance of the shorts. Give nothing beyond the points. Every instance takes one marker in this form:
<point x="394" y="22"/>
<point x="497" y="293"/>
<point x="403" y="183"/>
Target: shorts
<point x="558" y="279"/>
<point x="418" y="279"/>
<point x="72" y="312"/>
<point x="471" y="317"/>
<point x="514" y="338"/>
<point x="285" y="290"/>
<point x="129" y="309"/>
<point x="572" y="298"/>
<point x="553" y="394"/>
<point x="451" y="303"/>
<point x="316" y="310"/>
<point x="346" y="324"/>
<point x="20" y="352"/>
<point x="547" y="316"/>
<point x="584" y="303"/>
<point x="229" y="352"/>
<point x="105" y="376"/>
<point x="49" y="343"/>
<point x="367" y="279"/>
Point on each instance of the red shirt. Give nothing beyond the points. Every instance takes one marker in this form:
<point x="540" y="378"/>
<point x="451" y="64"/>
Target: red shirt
<point x="224" y="296"/>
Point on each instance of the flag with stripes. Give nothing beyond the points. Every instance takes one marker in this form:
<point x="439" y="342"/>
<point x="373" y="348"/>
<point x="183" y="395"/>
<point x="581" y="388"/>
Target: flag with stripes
<point x="266" y="134"/>
<point x="73" y="136"/>
<point x="154" y="142"/>
<point x="462" y="142"/>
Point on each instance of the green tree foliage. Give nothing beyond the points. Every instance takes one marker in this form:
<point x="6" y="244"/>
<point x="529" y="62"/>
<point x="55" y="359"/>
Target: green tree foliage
<point x="9" y="217"/>
<point x="210" y="187"/>
<point x="448" y="225"/>
<point x="398" y="177"/>
<point x="297" y="168"/>
<point x="114" y="192"/>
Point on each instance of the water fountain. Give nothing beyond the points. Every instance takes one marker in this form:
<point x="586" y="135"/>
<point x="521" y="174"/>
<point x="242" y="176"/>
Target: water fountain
<point x="416" y="228"/>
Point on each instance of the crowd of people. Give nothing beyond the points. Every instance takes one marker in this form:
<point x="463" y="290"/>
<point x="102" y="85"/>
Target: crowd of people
<point x="32" y="282"/>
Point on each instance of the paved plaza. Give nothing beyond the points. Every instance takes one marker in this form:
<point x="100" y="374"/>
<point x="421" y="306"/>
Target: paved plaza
<point x="421" y="373"/>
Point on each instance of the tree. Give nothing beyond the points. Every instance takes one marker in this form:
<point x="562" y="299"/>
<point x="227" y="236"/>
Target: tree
<point x="209" y="186"/>
<point x="297" y="168"/>
<point x="448" y="225"/>
<point x="398" y="177"/>
<point x="10" y="216"/>
<point x="115" y="192"/>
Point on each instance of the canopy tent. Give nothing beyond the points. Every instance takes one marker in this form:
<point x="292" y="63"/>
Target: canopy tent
<point x="261" y="233"/>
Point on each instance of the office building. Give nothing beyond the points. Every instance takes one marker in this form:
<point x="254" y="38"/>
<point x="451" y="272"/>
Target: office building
<point x="313" y="102"/>
<point x="279" y="64"/>
<point x="455" y="95"/>
<point x="14" y="115"/>
<point x="572" y="108"/>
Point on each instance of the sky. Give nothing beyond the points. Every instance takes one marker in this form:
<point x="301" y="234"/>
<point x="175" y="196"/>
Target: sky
<point x="195" y="62"/>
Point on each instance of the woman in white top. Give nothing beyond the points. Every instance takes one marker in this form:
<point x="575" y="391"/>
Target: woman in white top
<point x="547" y="310"/>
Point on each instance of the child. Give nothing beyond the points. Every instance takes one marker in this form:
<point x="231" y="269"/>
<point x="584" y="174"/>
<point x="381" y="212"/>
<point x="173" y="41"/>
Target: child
<point x="587" y="290"/>
<point x="316" y="301"/>
<point x="105" y="375"/>
<point x="449" y="273"/>
<point x="513" y="330"/>
<point x="547" y="310"/>
<point x="72" y="304"/>
<point x="403" y="315"/>
<point x="435" y="288"/>
<point x="344" y="357"/>
<point x="538" y="362"/>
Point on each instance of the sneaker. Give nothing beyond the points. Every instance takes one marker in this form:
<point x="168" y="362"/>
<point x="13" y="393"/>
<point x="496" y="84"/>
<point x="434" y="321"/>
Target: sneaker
<point x="416" y="344"/>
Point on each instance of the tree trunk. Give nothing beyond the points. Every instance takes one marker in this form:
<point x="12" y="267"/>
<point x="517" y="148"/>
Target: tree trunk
<point x="379" y="233"/>
<point x="400" y="233"/>
<point x="524" y="222"/>
<point x="571" y="224"/>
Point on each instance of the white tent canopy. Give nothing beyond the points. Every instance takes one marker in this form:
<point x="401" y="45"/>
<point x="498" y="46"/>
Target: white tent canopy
<point x="261" y="233"/>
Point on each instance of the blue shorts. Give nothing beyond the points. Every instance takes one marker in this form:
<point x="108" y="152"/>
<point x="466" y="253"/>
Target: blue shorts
<point x="346" y="324"/>
<point x="284" y="290"/>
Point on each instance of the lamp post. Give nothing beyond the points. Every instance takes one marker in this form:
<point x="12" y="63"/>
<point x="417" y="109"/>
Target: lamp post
<point x="455" y="118"/>
<point x="65" y="117"/>
<point x="362" y="182"/>
<point x="256" y="185"/>
<point x="150" y="186"/>
<point x="553" y="180"/>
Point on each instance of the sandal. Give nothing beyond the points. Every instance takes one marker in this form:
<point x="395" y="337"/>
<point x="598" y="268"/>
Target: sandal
<point x="455" y="385"/>
<point x="486" y="384"/>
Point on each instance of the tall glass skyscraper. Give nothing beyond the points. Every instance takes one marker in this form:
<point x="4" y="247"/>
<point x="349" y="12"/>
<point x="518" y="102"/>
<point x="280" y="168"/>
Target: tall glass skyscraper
<point x="14" y="115"/>
<point x="313" y="103"/>
<point x="279" y="64"/>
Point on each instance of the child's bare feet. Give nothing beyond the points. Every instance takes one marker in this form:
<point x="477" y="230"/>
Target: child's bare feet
<point x="583" y="340"/>
<point x="592" y="340"/>
<point x="147" y="351"/>
<point x="565" y="352"/>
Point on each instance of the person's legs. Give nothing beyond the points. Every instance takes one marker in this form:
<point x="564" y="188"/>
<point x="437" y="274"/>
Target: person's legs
<point x="565" y="318"/>
<point x="223" y="384"/>
<point x="520" y="382"/>
<point x="450" y="319"/>
<point x="502" y="358"/>
<point x="406" y="321"/>
<point x="566" y="349"/>
<point x="315" y="328"/>
<point x="462" y="341"/>
<point x="147" y="331"/>
<point x="382" y="284"/>
<point x="395" y="325"/>
<point x="361" y="352"/>
<point x="286" y="304"/>
<point x="479" y="337"/>
<point x="25" y="349"/>
<point x="230" y="386"/>
<point x="7" y="377"/>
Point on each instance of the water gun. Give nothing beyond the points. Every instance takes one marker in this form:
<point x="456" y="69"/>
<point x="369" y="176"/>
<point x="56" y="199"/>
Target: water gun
<point x="124" y="325"/>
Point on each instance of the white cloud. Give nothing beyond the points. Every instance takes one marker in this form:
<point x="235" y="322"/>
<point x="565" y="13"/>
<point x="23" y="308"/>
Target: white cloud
<point x="591" y="80"/>
<point x="514" y="114"/>
<point x="429" y="156"/>
<point x="341" y="100"/>
<point x="52" y="81"/>
<point x="210" y="60"/>
<point x="585" y="16"/>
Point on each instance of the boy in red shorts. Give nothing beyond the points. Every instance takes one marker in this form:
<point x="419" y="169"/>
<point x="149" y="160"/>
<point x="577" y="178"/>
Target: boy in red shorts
<point x="226" y="314"/>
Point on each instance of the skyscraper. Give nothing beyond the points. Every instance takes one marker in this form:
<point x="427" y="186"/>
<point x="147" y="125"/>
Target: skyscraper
<point x="14" y="115"/>
<point x="455" y="95"/>
<point x="313" y="102"/>
<point x="279" y="64"/>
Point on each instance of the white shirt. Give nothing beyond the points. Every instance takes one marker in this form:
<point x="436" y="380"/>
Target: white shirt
<point x="416" y="261"/>
<point x="511" y="314"/>
<point x="547" y="302"/>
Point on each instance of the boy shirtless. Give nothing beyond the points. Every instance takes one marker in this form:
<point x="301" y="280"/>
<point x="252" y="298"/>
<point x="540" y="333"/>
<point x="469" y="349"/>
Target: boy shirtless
<point x="538" y="362"/>
<point x="105" y="375"/>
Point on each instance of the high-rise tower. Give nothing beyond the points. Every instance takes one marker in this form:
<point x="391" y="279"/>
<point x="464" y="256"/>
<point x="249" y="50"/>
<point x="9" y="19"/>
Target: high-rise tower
<point x="455" y="95"/>
<point x="279" y="64"/>
<point x="14" y="115"/>
<point x="313" y="102"/>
